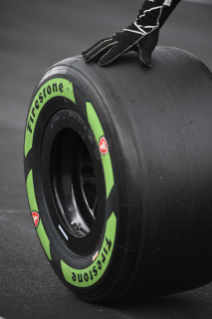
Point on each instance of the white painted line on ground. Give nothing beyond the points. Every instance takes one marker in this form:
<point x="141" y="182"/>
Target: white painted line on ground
<point x="200" y="1"/>
<point x="14" y="211"/>
<point x="1" y="317"/>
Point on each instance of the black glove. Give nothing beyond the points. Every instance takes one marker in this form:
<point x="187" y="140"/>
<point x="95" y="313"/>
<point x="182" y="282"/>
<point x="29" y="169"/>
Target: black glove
<point x="141" y="36"/>
<point x="130" y="39"/>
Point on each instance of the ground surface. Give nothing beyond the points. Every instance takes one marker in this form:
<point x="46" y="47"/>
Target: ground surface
<point x="33" y="36"/>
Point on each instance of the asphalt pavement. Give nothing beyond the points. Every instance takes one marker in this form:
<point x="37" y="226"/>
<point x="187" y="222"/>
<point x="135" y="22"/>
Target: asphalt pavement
<point x="33" y="36"/>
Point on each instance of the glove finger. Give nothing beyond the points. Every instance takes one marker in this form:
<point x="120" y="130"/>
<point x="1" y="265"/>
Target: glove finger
<point x="94" y="46"/>
<point x="99" y="49"/>
<point x="146" y="46"/>
<point x="116" y="51"/>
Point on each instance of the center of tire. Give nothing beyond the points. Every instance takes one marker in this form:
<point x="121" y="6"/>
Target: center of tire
<point x="73" y="182"/>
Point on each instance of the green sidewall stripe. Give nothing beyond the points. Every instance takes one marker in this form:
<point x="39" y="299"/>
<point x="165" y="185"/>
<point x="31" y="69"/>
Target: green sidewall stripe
<point x="98" y="133"/>
<point x="90" y="275"/>
<point x="55" y="87"/>
<point x="33" y="206"/>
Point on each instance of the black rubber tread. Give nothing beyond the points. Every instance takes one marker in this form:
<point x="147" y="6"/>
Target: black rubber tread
<point x="158" y="125"/>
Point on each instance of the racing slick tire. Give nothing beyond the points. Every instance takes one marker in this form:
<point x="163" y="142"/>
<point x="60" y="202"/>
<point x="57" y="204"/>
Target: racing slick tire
<point x="118" y="168"/>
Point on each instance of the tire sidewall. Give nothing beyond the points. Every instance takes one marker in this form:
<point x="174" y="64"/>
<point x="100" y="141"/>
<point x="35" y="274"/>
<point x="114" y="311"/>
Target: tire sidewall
<point x="58" y="249"/>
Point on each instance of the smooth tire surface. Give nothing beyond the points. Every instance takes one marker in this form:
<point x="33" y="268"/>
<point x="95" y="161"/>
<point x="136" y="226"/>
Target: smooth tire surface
<point x="119" y="176"/>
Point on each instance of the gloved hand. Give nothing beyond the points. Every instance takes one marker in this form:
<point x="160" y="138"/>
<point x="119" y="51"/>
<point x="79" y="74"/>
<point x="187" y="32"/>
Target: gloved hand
<point x="130" y="39"/>
<point x="141" y="36"/>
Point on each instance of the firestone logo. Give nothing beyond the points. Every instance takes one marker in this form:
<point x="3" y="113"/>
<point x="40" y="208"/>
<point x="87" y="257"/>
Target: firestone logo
<point x="35" y="217"/>
<point x="103" y="146"/>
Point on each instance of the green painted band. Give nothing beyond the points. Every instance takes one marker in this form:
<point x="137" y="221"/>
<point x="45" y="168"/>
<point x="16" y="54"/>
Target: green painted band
<point x="90" y="275"/>
<point x="52" y="88"/>
<point x="31" y="192"/>
<point x="98" y="133"/>
<point x="33" y="206"/>
<point x="44" y="239"/>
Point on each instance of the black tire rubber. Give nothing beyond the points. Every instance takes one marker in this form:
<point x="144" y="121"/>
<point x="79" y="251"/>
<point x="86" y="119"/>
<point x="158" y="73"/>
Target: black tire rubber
<point x="140" y="139"/>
